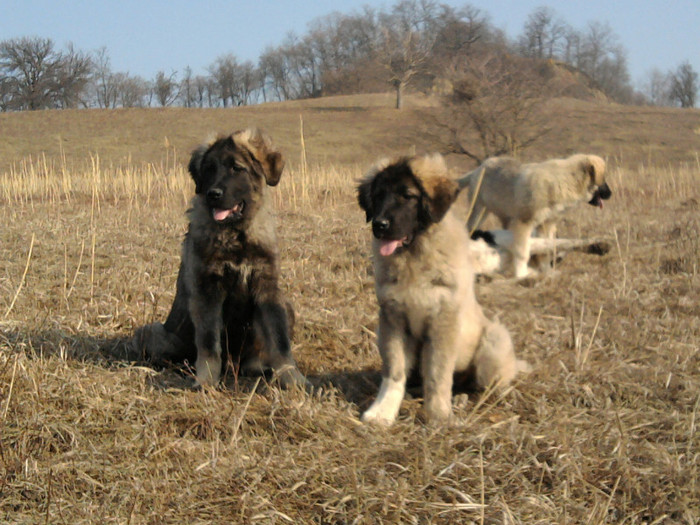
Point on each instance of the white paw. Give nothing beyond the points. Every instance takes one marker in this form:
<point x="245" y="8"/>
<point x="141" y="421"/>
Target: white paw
<point x="522" y="273"/>
<point x="523" y="366"/>
<point x="375" y="415"/>
<point x="386" y="407"/>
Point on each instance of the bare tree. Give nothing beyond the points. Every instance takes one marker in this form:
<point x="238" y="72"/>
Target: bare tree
<point x="72" y="77"/>
<point x="598" y="54"/>
<point x="657" y="88"/>
<point x="132" y="91"/>
<point x="166" y="88"/>
<point x="403" y="49"/>
<point x="5" y="93"/>
<point x="596" y="43"/>
<point x="186" y="90"/>
<point x="304" y="66"/>
<point x="684" y="85"/>
<point x="235" y="83"/>
<point x="201" y="86"/>
<point x="340" y="40"/>
<point x="570" y="45"/>
<point x="248" y="83"/>
<point x="194" y="90"/>
<point x="276" y="84"/>
<point x="223" y="73"/>
<point x="104" y="82"/>
<point x="343" y="47"/>
<point x="406" y="45"/>
<point x="292" y="70"/>
<point x="499" y="98"/>
<point x="29" y="67"/>
<point x="613" y="77"/>
<point x="409" y="35"/>
<point x="403" y="55"/>
<point x="542" y="34"/>
<point x="460" y="30"/>
<point x="36" y="76"/>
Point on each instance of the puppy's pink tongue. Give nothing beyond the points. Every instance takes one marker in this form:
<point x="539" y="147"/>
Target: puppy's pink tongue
<point x="389" y="247"/>
<point x="220" y="215"/>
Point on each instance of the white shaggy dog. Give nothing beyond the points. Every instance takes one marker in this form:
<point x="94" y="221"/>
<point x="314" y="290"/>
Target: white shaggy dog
<point x="527" y="196"/>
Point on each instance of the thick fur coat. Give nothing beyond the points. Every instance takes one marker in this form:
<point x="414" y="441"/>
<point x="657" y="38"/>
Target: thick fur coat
<point x="228" y="306"/>
<point x="429" y="319"/>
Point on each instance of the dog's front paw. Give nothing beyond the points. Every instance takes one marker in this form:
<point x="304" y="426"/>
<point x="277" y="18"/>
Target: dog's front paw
<point x="208" y="371"/>
<point x="437" y="412"/>
<point x="525" y="273"/>
<point x="290" y="377"/>
<point x="375" y="415"/>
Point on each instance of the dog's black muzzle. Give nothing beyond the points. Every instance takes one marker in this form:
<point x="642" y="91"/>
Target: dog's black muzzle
<point x="603" y="193"/>
<point x="214" y="196"/>
<point x="380" y="227"/>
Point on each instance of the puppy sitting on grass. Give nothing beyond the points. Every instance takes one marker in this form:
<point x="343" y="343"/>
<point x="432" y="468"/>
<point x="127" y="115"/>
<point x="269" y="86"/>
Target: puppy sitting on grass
<point x="228" y="306"/>
<point x="429" y="318"/>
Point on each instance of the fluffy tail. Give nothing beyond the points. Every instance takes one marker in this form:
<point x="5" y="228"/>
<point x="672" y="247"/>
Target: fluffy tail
<point x="466" y="180"/>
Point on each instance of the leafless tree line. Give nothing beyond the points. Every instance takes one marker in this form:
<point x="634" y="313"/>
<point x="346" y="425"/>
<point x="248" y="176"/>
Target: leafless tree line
<point x="420" y="43"/>
<point x="678" y="87"/>
<point x="596" y="51"/>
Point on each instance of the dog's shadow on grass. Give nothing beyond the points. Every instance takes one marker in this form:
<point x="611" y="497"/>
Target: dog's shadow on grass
<point x="357" y="387"/>
<point x="360" y="387"/>
<point x="114" y="352"/>
<point x="108" y="352"/>
<point x="61" y="343"/>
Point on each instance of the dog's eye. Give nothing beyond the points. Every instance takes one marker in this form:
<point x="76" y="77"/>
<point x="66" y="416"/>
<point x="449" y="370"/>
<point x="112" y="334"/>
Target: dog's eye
<point x="237" y="169"/>
<point x="409" y="196"/>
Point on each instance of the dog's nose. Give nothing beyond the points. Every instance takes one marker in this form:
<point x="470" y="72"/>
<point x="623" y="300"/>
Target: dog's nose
<point x="214" y="194"/>
<point x="381" y="225"/>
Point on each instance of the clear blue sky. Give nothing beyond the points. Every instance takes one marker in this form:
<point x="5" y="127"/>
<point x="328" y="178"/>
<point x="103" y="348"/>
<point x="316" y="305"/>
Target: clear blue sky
<point x="145" y="36"/>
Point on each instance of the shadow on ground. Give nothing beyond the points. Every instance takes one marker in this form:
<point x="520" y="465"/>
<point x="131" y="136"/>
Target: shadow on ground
<point x="358" y="387"/>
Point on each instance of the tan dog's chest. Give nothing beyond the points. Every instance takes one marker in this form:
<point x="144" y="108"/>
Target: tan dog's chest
<point x="419" y="288"/>
<point x="419" y="305"/>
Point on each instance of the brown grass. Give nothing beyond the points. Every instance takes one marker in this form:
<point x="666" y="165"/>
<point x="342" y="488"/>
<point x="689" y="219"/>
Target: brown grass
<point x="604" y="430"/>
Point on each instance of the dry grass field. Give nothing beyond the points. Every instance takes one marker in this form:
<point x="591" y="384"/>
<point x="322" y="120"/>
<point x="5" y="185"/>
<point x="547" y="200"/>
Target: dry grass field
<point x="604" y="430"/>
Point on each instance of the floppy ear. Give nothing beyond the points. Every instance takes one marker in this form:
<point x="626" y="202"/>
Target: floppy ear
<point x="440" y="193"/>
<point x="270" y="161"/>
<point x="594" y="167"/>
<point x="364" y="197"/>
<point x="195" y="166"/>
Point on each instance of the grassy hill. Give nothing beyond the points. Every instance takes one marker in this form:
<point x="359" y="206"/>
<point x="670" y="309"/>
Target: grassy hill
<point x="603" y="430"/>
<point x="349" y="130"/>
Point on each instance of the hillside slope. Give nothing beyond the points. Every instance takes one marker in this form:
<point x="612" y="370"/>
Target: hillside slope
<point x="342" y="130"/>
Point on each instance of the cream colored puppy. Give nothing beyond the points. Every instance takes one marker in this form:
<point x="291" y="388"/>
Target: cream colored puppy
<point x="429" y="319"/>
